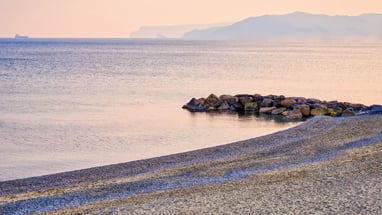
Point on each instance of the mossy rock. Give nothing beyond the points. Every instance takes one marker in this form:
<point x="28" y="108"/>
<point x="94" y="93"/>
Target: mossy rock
<point x="319" y="111"/>
<point x="250" y="106"/>
<point x="334" y="111"/>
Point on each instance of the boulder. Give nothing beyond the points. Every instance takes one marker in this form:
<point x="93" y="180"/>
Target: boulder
<point x="237" y="106"/>
<point x="267" y="102"/>
<point x="232" y="108"/>
<point x="223" y="107"/>
<point x="277" y="101"/>
<point x="335" y="111"/>
<point x="267" y="110"/>
<point x="293" y="106"/>
<point x="305" y="109"/>
<point x="294" y="114"/>
<point x="364" y="110"/>
<point x="244" y="98"/>
<point x="375" y="109"/>
<point x="333" y="104"/>
<point x="345" y="105"/>
<point x="202" y="101"/>
<point x="301" y="100"/>
<point x="258" y="98"/>
<point x="358" y="107"/>
<point x="348" y="112"/>
<point x="319" y="111"/>
<point x="194" y="105"/>
<point x="288" y="102"/>
<point x="228" y="99"/>
<point x="313" y="101"/>
<point x="213" y="101"/>
<point x="250" y="106"/>
<point x="278" y="111"/>
<point x="280" y="98"/>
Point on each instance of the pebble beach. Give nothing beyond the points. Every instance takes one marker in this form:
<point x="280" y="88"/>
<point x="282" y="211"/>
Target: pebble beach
<point x="326" y="165"/>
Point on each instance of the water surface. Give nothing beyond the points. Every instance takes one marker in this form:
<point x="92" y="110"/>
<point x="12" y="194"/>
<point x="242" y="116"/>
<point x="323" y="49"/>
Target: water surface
<point x="74" y="103"/>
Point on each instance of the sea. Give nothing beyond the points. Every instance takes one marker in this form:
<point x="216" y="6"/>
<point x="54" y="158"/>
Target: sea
<point x="68" y="104"/>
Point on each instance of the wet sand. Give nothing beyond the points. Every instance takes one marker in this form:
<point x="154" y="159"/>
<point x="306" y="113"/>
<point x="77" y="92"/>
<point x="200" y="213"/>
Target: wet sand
<point x="323" y="166"/>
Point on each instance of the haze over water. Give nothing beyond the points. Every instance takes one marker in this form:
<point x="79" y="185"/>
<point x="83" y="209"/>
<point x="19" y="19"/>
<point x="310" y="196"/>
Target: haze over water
<point x="68" y="104"/>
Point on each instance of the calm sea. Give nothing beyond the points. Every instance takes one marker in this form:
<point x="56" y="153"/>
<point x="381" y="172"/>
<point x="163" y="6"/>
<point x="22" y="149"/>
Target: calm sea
<point x="67" y="104"/>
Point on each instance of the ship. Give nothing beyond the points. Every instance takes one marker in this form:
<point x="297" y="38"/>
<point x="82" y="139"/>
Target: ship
<point x="17" y="36"/>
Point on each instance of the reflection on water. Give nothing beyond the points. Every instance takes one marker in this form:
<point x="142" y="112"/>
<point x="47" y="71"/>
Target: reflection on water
<point x="268" y="117"/>
<point x="116" y="134"/>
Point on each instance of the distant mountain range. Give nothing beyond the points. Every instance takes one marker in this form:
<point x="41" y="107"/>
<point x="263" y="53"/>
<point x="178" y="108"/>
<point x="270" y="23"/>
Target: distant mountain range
<point x="297" y="25"/>
<point x="170" y="31"/>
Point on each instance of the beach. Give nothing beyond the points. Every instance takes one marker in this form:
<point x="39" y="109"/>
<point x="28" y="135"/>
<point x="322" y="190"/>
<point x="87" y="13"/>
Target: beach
<point x="324" y="166"/>
<point x="217" y="107"/>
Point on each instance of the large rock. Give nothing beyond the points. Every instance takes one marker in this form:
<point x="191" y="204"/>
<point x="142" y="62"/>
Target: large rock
<point x="319" y="111"/>
<point x="228" y="98"/>
<point x="244" y="98"/>
<point x="267" y="110"/>
<point x="313" y="101"/>
<point x="223" y="107"/>
<point x="348" y="112"/>
<point x="288" y="102"/>
<point x="250" y="106"/>
<point x="376" y="109"/>
<point x="258" y="98"/>
<point x="345" y="105"/>
<point x="294" y="114"/>
<point x="280" y="97"/>
<point x="237" y="106"/>
<point x="278" y="111"/>
<point x="335" y="111"/>
<point x="267" y="102"/>
<point x="202" y="101"/>
<point x="277" y="100"/>
<point x="358" y="107"/>
<point x="301" y="100"/>
<point x="194" y="105"/>
<point x="213" y="101"/>
<point x="305" y="109"/>
<point x="333" y="104"/>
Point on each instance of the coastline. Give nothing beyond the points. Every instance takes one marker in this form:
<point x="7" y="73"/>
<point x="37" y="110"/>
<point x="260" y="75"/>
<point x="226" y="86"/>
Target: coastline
<point x="333" y="164"/>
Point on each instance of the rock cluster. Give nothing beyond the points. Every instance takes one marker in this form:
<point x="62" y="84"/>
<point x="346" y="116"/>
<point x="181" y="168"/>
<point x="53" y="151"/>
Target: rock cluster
<point x="289" y="107"/>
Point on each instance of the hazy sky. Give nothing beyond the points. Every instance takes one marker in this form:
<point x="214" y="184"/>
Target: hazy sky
<point x="118" y="18"/>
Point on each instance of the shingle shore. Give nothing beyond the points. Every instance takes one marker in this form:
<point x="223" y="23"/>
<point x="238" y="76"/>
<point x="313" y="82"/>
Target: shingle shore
<point x="325" y="165"/>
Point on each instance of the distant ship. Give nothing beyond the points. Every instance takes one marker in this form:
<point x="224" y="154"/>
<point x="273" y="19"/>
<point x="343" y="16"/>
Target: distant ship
<point x="17" y="36"/>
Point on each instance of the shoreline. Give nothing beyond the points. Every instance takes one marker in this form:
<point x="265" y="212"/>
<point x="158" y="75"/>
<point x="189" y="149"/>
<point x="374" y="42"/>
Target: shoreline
<point x="133" y="186"/>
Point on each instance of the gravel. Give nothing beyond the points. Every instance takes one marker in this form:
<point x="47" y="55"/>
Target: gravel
<point x="323" y="166"/>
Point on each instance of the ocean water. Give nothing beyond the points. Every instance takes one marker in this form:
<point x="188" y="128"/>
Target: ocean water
<point x="68" y="104"/>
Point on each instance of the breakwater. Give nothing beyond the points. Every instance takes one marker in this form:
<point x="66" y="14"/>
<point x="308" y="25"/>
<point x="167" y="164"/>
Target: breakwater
<point x="288" y="107"/>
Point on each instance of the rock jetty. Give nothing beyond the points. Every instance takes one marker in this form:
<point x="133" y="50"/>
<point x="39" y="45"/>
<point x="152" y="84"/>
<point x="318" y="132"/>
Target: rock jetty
<point x="289" y="107"/>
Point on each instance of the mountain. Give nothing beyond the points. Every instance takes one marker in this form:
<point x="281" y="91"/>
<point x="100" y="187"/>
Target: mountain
<point x="297" y="25"/>
<point x="170" y="31"/>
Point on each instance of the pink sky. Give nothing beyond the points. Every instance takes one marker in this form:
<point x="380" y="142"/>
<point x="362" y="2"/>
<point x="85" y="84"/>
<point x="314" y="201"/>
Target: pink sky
<point x="118" y="18"/>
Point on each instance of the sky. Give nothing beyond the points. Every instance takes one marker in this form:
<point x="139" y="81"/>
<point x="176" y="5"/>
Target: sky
<point x="118" y="18"/>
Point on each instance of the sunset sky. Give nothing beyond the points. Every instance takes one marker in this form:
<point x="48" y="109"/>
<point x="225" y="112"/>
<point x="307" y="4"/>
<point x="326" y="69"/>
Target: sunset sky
<point x="118" y="18"/>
